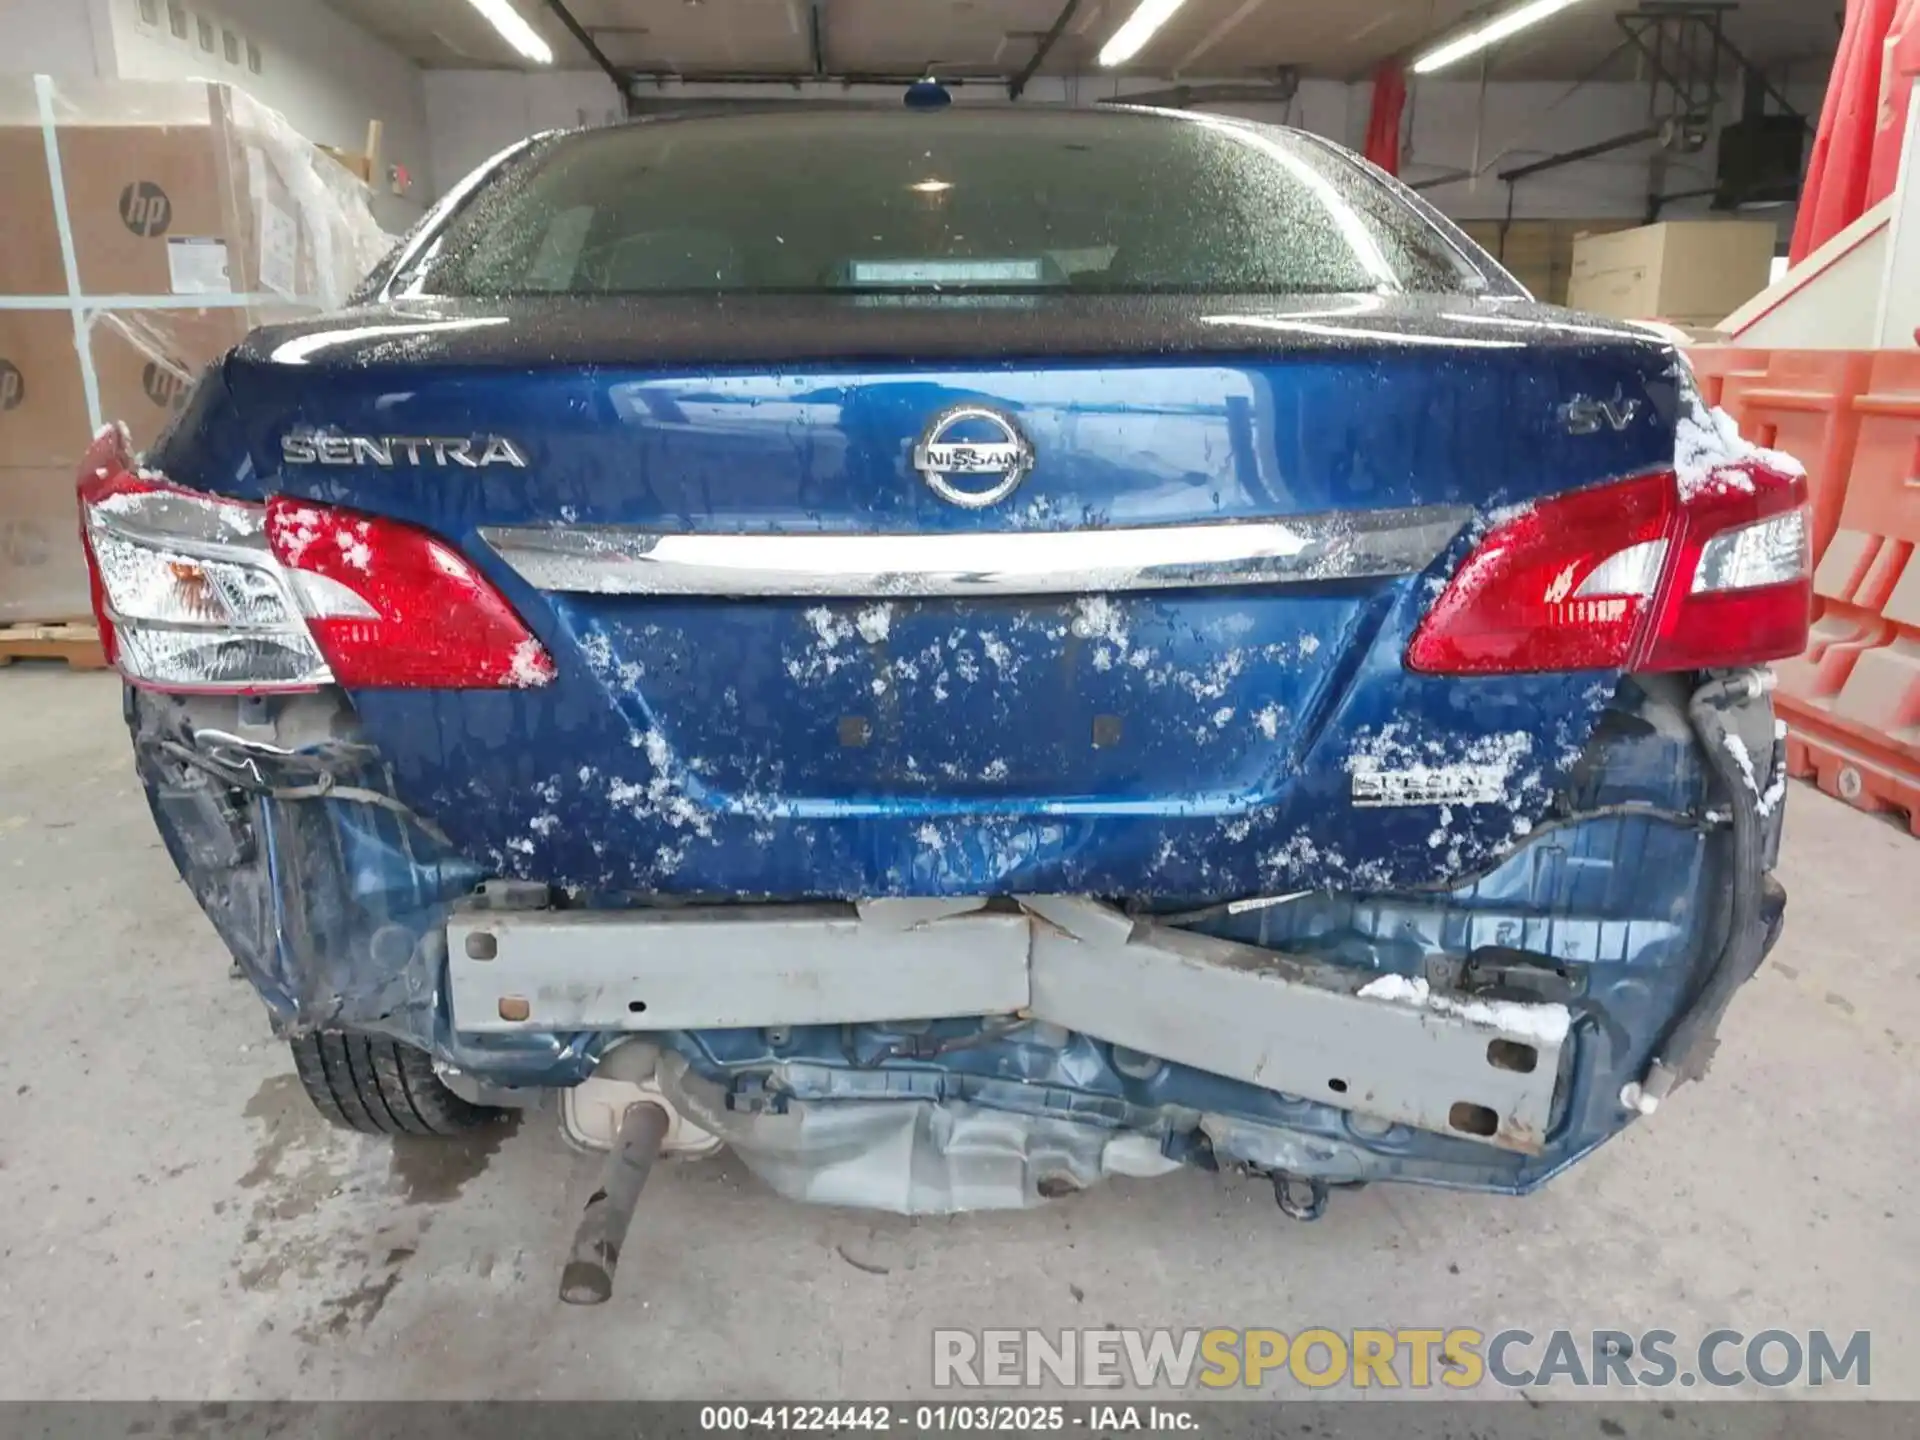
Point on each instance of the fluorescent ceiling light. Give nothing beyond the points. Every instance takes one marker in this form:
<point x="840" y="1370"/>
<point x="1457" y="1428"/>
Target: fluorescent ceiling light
<point x="1136" y="30"/>
<point x="515" y="30"/>
<point x="1491" y="33"/>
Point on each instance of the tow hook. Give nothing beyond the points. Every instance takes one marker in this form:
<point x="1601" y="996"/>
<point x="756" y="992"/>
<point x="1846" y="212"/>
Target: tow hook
<point x="1299" y="1197"/>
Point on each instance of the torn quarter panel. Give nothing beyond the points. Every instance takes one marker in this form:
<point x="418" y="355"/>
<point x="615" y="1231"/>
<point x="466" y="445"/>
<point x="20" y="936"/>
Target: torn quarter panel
<point x="335" y="908"/>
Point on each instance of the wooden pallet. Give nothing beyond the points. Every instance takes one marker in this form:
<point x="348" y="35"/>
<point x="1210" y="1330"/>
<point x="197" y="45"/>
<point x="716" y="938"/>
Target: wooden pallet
<point x="78" y="645"/>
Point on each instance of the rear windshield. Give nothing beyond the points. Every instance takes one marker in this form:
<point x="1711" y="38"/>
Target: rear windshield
<point x="951" y="200"/>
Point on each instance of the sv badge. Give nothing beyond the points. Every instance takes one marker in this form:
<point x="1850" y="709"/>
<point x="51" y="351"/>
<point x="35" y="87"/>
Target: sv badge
<point x="1583" y="415"/>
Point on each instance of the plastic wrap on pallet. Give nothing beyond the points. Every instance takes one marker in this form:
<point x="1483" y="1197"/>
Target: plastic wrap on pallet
<point x="175" y="190"/>
<point x="150" y="225"/>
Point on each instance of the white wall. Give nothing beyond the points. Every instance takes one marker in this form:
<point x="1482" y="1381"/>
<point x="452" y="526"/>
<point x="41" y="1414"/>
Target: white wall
<point x="324" y="73"/>
<point x="68" y="39"/>
<point x="1527" y="121"/>
<point x="1325" y="107"/>
<point x="473" y="114"/>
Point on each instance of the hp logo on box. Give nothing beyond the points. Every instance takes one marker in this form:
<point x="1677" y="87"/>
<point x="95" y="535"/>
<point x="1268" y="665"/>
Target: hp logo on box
<point x="145" y="209"/>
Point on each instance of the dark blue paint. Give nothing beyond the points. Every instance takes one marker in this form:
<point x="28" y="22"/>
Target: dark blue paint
<point x="990" y="781"/>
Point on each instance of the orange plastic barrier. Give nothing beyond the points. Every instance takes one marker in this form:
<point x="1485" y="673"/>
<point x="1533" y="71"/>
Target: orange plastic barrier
<point x="1804" y="404"/>
<point x="1852" y="701"/>
<point x="1899" y="68"/>
<point x="1713" y="364"/>
<point x="1836" y="191"/>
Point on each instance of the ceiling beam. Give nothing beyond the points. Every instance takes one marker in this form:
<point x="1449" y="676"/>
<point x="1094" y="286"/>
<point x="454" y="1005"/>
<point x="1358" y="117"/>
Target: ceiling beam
<point x="648" y="82"/>
<point x="621" y="78"/>
<point x="1585" y="152"/>
<point x="1018" y="85"/>
<point x="1279" y="89"/>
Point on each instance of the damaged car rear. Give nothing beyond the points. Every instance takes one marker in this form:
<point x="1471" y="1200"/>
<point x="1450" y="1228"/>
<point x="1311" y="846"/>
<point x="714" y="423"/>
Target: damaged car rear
<point x="961" y="653"/>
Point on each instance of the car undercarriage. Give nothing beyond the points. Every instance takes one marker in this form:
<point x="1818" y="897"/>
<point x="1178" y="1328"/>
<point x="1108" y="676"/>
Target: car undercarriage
<point x="934" y="1055"/>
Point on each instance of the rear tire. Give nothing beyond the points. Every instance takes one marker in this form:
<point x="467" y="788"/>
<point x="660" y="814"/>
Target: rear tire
<point x="381" y="1087"/>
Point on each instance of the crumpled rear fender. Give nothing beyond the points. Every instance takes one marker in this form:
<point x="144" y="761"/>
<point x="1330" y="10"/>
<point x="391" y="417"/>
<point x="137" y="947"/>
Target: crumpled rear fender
<point x="334" y="904"/>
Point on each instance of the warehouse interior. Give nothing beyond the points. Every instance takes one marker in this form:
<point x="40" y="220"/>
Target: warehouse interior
<point x="1704" y="166"/>
<point x="450" y="90"/>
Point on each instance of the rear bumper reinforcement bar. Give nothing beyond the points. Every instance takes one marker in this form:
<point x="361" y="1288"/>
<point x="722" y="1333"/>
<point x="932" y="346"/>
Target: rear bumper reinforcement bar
<point x="1448" y="1064"/>
<point x="616" y="560"/>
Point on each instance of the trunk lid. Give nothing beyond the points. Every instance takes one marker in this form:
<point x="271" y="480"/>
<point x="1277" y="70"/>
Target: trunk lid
<point x="1174" y="741"/>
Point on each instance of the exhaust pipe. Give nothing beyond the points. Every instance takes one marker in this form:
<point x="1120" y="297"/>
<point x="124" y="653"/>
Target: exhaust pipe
<point x="595" y="1256"/>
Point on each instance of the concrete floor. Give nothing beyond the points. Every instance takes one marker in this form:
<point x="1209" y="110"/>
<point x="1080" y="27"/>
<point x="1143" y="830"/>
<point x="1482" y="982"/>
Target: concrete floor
<point x="174" y="1220"/>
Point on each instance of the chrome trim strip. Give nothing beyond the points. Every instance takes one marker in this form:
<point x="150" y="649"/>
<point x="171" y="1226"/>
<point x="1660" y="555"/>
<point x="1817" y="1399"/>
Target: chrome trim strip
<point x="617" y="560"/>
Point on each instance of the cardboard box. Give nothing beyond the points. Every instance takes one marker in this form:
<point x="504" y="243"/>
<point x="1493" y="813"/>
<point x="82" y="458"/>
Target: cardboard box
<point x="1538" y="253"/>
<point x="149" y="190"/>
<point x="177" y="189"/>
<point x="43" y="410"/>
<point x="173" y="191"/>
<point x="30" y="262"/>
<point x="152" y="210"/>
<point x="1694" y="272"/>
<point x="147" y="361"/>
<point x="43" y="576"/>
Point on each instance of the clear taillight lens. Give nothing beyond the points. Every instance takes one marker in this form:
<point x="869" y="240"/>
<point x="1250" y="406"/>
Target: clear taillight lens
<point x="187" y="592"/>
<point x="1772" y="552"/>
<point x="1633" y="571"/>
<point x="199" y="593"/>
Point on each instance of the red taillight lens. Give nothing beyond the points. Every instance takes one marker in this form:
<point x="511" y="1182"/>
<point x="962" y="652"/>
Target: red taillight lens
<point x="1632" y="577"/>
<point x="391" y="606"/>
<point x="198" y="593"/>
<point x="1740" y="588"/>
<point x="1561" y="586"/>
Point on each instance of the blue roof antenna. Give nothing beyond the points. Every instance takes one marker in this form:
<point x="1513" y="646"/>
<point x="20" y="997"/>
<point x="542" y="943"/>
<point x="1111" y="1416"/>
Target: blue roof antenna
<point x="928" y="94"/>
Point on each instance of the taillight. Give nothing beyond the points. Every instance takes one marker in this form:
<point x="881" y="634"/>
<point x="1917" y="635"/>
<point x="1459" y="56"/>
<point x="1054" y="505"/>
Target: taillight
<point x="396" y="607"/>
<point x="196" y="593"/>
<point x="1633" y="576"/>
<point x="1739" y="589"/>
<point x="187" y="592"/>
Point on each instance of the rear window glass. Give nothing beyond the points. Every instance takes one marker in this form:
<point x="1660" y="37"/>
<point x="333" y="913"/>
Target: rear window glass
<point x="909" y="201"/>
